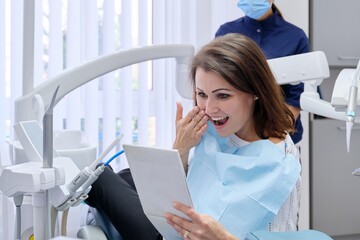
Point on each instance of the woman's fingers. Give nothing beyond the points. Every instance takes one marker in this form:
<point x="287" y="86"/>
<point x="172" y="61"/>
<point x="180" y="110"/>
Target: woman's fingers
<point x="179" y="111"/>
<point x="190" y="117"/>
<point x="200" y="120"/>
<point x="189" y="211"/>
<point x="182" y="226"/>
<point x="194" y="117"/>
<point x="201" y="131"/>
<point x="190" y="128"/>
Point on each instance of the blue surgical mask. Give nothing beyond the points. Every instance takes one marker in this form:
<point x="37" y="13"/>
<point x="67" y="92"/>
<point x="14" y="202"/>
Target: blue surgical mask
<point x="254" y="9"/>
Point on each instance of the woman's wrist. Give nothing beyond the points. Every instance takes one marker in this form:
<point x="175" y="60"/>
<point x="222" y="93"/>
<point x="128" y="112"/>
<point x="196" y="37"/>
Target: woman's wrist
<point x="184" y="155"/>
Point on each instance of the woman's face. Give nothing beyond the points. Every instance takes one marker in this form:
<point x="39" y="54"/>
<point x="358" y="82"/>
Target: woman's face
<point x="229" y="109"/>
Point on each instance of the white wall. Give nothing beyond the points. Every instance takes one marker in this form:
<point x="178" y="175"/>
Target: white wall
<point x="296" y="12"/>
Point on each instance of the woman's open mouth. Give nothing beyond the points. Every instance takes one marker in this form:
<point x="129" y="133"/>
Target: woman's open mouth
<point x="219" y="121"/>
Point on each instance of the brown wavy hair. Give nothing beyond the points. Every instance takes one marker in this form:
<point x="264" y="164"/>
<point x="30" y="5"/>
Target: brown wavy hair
<point x="239" y="60"/>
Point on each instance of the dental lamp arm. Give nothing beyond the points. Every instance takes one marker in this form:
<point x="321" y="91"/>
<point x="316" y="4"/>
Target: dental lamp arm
<point x="75" y="77"/>
<point x="312" y="103"/>
<point x="310" y="68"/>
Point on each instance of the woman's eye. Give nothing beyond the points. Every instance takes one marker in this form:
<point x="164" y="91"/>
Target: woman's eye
<point x="223" y="96"/>
<point x="201" y="94"/>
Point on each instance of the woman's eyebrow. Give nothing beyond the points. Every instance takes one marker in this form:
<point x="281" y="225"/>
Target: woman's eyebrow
<point x="214" y="91"/>
<point x="199" y="89"/>
<point x="220" y="89"/>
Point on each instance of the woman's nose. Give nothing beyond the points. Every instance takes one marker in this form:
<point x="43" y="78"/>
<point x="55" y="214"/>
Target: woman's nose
<point x="211" y="107"/>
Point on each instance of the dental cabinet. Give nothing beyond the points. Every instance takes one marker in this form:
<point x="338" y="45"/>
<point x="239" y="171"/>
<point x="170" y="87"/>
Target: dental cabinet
<point x="334" y="27"/>
<point x="335" y="192"/>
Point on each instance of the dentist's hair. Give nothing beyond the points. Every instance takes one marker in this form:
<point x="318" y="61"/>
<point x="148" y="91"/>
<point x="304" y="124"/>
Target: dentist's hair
<point x="275" y="8"/>
<point x="238" y="60"/>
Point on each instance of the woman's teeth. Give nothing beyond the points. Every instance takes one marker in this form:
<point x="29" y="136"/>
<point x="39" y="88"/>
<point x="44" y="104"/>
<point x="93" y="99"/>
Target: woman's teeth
<point x="219" y="121"/>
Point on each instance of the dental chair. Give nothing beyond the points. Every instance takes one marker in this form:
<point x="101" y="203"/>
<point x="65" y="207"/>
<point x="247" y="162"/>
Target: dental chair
<point x="316" y="68"/>
<point x="98" y="227"/>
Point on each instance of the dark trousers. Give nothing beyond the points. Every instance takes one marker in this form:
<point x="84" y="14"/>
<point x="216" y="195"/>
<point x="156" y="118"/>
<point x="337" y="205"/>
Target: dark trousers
<point x="116" y="196"/>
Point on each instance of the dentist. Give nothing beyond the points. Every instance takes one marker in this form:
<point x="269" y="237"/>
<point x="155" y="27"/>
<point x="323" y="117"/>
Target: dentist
<point x="264" y="24"/>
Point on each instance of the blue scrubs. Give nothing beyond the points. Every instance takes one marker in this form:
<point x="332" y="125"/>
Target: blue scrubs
<point x="277" y="38"/>
<point x="241" y="187"/>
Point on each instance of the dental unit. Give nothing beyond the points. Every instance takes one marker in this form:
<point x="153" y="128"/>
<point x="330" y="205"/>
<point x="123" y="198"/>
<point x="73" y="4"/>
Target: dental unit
<point x="310" y="68"/>
<point x="57" y="182"/>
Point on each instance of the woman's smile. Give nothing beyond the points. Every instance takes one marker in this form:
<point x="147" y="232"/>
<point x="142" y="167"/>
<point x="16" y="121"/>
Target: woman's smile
<point x="219" y="121"/>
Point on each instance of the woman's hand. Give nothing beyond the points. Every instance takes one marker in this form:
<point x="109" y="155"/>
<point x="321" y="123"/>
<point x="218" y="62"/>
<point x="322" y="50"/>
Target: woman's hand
<point x="189" y="129"/>
<point x="201" y="226"/>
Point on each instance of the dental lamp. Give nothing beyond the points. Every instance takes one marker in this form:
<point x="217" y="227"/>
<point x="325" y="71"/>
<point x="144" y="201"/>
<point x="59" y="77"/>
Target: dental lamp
<point x="31" y="106"/>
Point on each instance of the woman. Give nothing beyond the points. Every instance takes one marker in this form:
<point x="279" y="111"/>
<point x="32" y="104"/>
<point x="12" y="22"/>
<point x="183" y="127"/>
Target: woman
<point x="241" y="150"/>
<point x="264" y="23"/>
<point x="244" y="172"/>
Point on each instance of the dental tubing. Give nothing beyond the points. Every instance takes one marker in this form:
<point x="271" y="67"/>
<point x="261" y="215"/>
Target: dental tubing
<point x="106" y="152"/>
<point x="86" y="187"/>
<point x="83" y="175"/>
<point x="95" y="174"/>
<point x="113" y="157"/>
